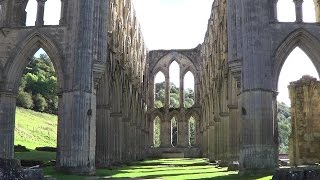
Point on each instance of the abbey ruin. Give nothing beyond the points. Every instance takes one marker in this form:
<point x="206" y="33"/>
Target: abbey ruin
<point x="106" y="82"/>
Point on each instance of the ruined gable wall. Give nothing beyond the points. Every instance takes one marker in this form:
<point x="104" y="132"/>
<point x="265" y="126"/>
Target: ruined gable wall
<point x="305" y="135"/>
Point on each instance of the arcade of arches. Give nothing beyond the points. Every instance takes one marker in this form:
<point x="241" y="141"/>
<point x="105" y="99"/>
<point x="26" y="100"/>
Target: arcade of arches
<point x="106" y="82"/>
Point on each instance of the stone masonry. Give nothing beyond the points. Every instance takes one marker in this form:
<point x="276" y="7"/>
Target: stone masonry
<point x="305" y="134"/>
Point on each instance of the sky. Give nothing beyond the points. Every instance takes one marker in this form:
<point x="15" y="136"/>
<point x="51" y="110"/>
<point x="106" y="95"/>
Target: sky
<point x="181" y="24"/>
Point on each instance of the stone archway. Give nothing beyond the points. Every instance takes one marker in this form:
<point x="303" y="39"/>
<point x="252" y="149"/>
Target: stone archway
<point x="299" y="38"/>
<point x="13" y="71"/>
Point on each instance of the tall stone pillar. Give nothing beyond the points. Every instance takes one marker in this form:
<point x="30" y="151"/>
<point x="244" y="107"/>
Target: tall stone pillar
<point x="77" y="125"/>
<point x="274" y="10"/>
<point x="7" y="124"/>
<point x="234" y="133"/>
<point x="40" y="12"/>
<point x="2" y="14"/>
<point x="183" y="133"/>
<point x="167" y="91"/>
<point x="212" y="142"/>
<point x="181" y="92"/>
<point x="299" y="14"/>
<point x="63" y="12"/>
<point x="165" y="134"/>
<point x="317" y="9"/>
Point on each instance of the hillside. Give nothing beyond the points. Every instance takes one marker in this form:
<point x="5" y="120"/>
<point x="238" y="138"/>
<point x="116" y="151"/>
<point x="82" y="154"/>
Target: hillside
<point x="34" y="129"/>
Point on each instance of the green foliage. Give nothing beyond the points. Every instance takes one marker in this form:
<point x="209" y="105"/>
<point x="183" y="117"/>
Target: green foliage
<point x="39" y="80"/>
<point x="24" y="100"/>
<point x="174" y="96"/>
<point x="40" y="103"/>
<point x="284" y="127"/>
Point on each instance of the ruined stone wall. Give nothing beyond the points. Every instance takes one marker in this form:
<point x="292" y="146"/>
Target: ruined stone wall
<point x="305" y="126"/>
<point x="160" y="61"/>
<point x="219" y="90"/>
<point x="122" y="132"/>
<point x="100" y="58"/>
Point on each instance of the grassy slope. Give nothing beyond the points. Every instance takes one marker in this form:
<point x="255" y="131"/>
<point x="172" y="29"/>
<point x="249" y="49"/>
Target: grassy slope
<point x="34" y="129"/>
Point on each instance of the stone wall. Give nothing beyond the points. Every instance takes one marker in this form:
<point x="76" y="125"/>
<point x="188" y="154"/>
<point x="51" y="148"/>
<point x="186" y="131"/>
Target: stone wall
<point x="160" y="61"/>
<point x="219" y="124"/>
<point x="122" y="133"/>
<point x="305" y="126"/>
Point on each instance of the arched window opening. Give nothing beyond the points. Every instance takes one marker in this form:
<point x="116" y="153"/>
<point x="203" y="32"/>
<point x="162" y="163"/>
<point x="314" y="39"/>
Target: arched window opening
<point x="31" y="10"/>
<point x="174" y="132"/>
<point x="290" y="72"/>
<point x="37" y="105"/>
<point x="52" y="12"/>
<point x="192" y="131"/>
<point x="174" y="73"/>
<point x="159" y="90"/>
<point x="309" y="11"/>
<point x="188" y="90"/>
<point x="286" y="11"/>
<point x="156" y="132"/>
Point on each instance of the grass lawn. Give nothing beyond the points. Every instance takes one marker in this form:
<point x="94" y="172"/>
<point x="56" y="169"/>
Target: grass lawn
<point x="34" y="129"/>
<point x="174" y="169"/>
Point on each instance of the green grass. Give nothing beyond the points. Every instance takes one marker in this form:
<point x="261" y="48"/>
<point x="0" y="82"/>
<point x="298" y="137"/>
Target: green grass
<point x="34" y="129"/>
<point x="169" y="169"/>
<point x="36" y="155"/>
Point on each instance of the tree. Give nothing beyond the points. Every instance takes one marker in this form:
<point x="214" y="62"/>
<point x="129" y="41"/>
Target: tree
<point x="24" y="100"/>
<point x="40" y="103"/>
<point x="39" y="81"/>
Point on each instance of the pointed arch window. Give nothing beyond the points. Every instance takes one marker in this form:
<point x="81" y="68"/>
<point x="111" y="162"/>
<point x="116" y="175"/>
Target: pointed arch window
<point x="174" y="74"/>
<point x="159" y="90"/>
<point x="174" y="131"/>
<point x="290" y="72"/>
<point x="188" y="89"/>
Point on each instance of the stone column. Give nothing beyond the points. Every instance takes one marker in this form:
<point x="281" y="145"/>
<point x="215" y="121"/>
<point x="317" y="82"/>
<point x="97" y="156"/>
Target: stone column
<point x="167" y="91"/>
<point x="2" y="15"/>
<point x="274" y="17"/>
<point x="40" y="12"/>
<point x="181" y="92"/>
<point x="165" y="134"/>
<point x="317" y="9"/>
<point x="7" y="124"/>
<point x="211" y="145"/>
<point x="63" y="13"/>
<point x="234" y="134"/>
<point x="183" y="133"/>
<point x="299" y="14"/>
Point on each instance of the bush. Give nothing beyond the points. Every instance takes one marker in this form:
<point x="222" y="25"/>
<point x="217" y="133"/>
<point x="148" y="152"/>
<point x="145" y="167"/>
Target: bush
<point x="40" y="103"/>
<point x="47" y="149"/>
<point x="24" y="100"/>
<point x="20" y="148"/>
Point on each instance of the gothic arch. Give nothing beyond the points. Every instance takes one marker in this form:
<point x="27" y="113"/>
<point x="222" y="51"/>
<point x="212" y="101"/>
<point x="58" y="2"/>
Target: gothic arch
<point x="155" y="114"/>
<point x="22" y="55"/>
<point x="193" y="113"/>
<point x="175" y="114"/>
<point x="299" y="38"/>
<point x="169" y="58"/>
